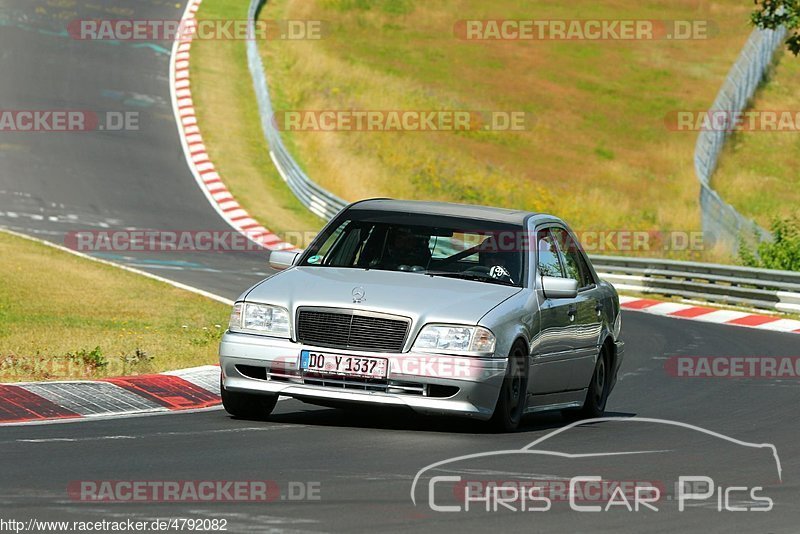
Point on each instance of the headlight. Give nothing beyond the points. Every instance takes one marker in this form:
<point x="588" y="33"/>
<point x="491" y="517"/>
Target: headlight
<point x="260" y="319"/>
<point x="454" y="338"/>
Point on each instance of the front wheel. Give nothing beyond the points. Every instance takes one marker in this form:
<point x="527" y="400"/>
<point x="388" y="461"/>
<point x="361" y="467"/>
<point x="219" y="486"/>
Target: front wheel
<point x="247" y="405"/>
<point x="513" y="393"/>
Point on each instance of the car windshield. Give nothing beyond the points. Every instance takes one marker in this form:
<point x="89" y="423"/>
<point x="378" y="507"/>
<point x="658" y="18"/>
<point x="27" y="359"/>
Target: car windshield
<point x="483" y="251"/>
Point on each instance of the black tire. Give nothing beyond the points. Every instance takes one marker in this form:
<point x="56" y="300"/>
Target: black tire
<point x="247" y="405"/>
<point x="597" y="393"/>
<point x="514" y="392"/>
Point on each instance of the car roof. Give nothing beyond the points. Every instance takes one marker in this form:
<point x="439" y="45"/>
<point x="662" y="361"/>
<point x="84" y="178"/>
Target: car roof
<point x="467" y="211"/>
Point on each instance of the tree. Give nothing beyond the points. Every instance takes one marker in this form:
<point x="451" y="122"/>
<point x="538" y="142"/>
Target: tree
<point x="783" y="252"/>
<point x="770" y="14"/>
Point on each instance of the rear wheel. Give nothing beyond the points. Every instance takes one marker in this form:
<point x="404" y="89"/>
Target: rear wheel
<point x="247" y="405"/>
<point x="597" y="394"/>
<point x="513" y="393"/>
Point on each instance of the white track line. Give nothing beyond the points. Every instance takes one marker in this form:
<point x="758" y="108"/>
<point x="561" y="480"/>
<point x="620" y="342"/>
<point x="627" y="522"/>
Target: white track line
<point x="173" y="283"/>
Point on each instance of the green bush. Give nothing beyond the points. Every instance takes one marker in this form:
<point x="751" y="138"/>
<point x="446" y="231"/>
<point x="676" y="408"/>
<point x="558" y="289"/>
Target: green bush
<point x="783" y="252"/>
<point x="92" y="359"/>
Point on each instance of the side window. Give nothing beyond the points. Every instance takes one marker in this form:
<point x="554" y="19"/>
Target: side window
<point x="547" y="254"/>
<point x="573" y="260"/>
<point x="346" y="248"/>
<point x="326" y="247"/>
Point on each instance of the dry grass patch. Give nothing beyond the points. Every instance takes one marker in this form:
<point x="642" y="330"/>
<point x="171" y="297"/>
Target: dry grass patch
<point x="62" y="316"/>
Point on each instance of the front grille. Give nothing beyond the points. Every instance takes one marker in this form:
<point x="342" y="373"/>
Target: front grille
<point x="351" y="329"/>
<point x="278" y="373"/>
<point x="365" y="384"/>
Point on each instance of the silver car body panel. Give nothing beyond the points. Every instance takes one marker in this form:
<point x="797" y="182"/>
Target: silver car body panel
<point x="563" y="336"/>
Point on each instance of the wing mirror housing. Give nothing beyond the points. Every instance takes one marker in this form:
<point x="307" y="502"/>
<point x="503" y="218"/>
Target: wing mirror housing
<point x="282" y="259"/>
<point x="559" y="288"/>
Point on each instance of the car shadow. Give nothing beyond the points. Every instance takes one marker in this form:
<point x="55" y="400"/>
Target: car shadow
<point x="403" y="419"/>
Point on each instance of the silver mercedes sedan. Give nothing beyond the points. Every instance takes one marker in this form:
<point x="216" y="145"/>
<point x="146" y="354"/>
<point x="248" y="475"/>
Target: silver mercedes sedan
<point x="441" y="308"/>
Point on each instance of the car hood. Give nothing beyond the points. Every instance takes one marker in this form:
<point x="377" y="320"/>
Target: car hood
<point x="414" y="295"/>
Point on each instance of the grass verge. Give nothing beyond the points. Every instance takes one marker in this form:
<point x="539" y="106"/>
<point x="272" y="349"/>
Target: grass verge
<point x="62" y="316"/>
<point x="599" y="152"/>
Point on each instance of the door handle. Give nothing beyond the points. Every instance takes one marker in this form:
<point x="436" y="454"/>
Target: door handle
<point x="599" y="308"/>
<point x="571" y="311"/>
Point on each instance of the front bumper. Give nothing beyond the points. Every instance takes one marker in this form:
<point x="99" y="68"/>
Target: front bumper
<point x="426" y="383"/>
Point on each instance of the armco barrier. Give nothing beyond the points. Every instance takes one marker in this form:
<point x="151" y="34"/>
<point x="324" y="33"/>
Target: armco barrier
<point x="720" y="284"/>
<point x="314" y="197"/>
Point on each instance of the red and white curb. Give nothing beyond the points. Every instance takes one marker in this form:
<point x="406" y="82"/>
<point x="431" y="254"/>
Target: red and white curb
<point x="710" y="315"/>
<point x="187" y="389"/>
<point x="203" y="169"/>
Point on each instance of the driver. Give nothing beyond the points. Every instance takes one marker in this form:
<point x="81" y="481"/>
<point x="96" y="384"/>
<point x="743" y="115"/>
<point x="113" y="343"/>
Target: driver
<point x="404" y="249"/>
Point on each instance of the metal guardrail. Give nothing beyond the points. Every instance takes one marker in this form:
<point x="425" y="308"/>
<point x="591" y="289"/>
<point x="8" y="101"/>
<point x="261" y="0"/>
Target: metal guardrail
<point x="311" y="195"/>
<point x="761" y="288"/>
<point x="720" y="284"/>
<point x="720" y="219"/>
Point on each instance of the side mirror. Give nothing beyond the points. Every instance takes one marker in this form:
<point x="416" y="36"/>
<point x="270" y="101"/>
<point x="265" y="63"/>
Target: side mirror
<point x="559" y="288"/>
<point x="282" y="259"/>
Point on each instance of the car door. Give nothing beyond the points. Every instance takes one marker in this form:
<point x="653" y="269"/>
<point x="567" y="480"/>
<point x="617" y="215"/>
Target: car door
<point x="586" y="323"/>
<point x="553" y="345"/>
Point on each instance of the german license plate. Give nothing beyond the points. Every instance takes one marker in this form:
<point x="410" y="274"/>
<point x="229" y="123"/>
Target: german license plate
<point x="341" y="364"/>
